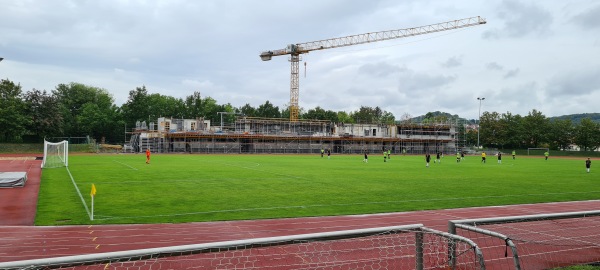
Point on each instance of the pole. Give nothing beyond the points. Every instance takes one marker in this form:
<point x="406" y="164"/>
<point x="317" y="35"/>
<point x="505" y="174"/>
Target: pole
<point x="92" y="216"/>
<point x="479" y="121"/>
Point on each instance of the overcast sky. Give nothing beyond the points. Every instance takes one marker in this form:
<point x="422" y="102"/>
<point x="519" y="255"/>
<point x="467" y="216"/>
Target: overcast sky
<point x="542" y="55"/>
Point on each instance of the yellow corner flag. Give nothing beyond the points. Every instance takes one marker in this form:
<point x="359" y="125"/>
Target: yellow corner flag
<point x="93" y="192"/>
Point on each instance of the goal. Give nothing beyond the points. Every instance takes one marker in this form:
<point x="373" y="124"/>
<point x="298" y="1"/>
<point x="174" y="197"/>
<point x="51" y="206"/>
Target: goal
<point x="56" y="154"/>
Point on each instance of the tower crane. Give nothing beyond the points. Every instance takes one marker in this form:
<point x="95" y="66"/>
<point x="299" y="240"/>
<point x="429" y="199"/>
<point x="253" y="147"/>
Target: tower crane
<point x="295" y="50"/>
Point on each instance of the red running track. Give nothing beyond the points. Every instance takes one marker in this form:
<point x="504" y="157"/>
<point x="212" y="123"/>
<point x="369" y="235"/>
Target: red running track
<point x="19" y="240"/>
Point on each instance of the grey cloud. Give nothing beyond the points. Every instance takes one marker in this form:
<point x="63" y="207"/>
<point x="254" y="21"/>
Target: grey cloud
<point x="511" y="73"/>
<point x="454" y="61"/>
<point x="589" y="19"/>
<point x="494" y="66"/>
<point x="520" y="20"/>
<point x="412" y="81"/>
<point x="380" y="69"/>
<point x="575" y="83"/>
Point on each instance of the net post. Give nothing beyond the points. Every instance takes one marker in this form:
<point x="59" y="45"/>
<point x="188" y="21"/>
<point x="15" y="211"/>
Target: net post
<point x="92" y="212"/>
<point x="451" y="245"/>
<point x="66" y="153"/>
<point x="419" y="250"/>
<point x="45" y="153"/>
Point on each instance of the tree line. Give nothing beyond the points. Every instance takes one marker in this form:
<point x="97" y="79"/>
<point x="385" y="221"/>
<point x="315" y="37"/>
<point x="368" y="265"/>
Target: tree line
<point x="78" y="110"/>
<point x="509" y="131"/>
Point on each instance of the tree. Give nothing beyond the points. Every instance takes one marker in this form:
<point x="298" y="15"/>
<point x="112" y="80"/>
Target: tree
<point x="587" y="135"/>
<point x="317" y="113"/>
<point x="13" y="117"/>
<point x="489" y="128"/>
<point x="387" y="118"/>
<point x="248" y="110"/>
<point x="167" y="106"/>
<point x="45" y="114"/>
<point x="367" y="115"/>
<point x="104" y="124"/>
<point x="193" y="105"/>
<point x="137" y="107"/>
<point x="267" y="110"/>
<point x="211" y="110"/>
<point x="72" y="99"/>
<point x="428" y="118"/>
<point x="513" y="134"/>
<point x="344" y="117"/>
<point x="535" y="127"/>
<point x="560" y="135"/>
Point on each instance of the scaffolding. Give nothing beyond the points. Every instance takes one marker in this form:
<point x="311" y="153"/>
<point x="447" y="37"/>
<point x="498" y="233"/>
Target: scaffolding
<point x="252" y="135"/>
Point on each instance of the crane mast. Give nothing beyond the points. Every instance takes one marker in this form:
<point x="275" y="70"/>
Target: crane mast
<point x="295" y="50"/>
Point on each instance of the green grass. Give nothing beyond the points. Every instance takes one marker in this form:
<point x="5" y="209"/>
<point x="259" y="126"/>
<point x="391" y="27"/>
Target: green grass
<point x="185" y="188"/>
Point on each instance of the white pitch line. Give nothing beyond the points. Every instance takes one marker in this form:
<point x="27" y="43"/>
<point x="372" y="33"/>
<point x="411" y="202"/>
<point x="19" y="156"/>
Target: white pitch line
<point x="336" y="204"/>
<point x="79" y="193"/>
<point x="135" y="169"/>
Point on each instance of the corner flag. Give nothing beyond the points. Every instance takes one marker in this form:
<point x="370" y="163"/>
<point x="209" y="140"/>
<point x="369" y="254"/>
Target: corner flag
<point x="93" y="192"/>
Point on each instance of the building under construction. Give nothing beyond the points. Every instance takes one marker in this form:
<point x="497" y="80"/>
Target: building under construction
<point x="267" y="135"/>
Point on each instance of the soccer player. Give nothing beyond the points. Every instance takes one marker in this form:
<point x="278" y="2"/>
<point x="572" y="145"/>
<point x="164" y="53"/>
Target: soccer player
<point x="499" y="157"/>
<point x="457" y="157"/>
<point x="389" y="153"/>
<point x="366" y="160"/>
<point x="546" y="154"/>
<point x="384" y="155"/>
<point x="513" y="154"/>
<point x="427" y="159"/>
<point x="328" y="153"/>
<point x="588" y="164"/>
<point x="322" y="151"/>
<point x="437" y="158"/>
<point x="483" y="157"/>
<point x="147" y="155"/>
<point x="462" y="155"/>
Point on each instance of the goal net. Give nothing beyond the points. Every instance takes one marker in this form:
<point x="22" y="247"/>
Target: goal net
<point x="398" y="247"/>
<point x="55" y="154"/>
<point x="543" y="241"/>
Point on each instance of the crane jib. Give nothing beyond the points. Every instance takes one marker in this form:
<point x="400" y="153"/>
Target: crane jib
<point x="299" y="48"/>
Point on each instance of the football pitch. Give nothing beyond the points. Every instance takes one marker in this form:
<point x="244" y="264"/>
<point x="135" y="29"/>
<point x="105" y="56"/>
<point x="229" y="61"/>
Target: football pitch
<point x="194" y="188"/>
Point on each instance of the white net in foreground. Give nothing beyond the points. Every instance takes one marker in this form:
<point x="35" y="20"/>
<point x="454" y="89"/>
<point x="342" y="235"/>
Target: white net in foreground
<point x="399" y="247"/>
<point x="543" y="241"/>
<point x="56" y="154"/>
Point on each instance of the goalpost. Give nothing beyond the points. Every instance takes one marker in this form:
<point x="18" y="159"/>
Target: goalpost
<point x="537" y="151"/>
<point x="56" y="154"/>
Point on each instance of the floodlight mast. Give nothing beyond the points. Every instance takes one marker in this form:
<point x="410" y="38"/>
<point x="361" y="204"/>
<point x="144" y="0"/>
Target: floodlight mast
<point x="295" y="50"/>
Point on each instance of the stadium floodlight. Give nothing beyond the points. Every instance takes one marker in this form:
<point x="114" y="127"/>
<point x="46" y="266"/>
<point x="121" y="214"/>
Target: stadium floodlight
<point x="479" y="121"/>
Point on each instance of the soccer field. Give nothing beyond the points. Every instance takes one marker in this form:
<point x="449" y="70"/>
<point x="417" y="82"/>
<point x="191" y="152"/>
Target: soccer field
<point x="185" y="188"/>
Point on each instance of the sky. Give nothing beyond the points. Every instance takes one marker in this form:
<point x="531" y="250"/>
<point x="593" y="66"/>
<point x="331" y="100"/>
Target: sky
<point x="542" y="55"/>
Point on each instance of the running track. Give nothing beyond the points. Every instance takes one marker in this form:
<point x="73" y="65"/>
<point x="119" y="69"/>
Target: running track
<point x="20" y="240"/>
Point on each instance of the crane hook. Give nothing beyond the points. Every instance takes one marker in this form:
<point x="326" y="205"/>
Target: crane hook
<point x="304" y="69"/>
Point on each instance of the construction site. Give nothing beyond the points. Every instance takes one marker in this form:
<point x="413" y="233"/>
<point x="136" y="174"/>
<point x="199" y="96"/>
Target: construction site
<point x="281" y="136"/>
<point x="295" y="135"/>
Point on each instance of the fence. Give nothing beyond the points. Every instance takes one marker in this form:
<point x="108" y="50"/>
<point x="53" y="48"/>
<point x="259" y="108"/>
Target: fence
<point x="398" y="247"/>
